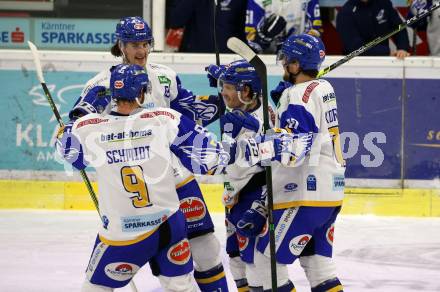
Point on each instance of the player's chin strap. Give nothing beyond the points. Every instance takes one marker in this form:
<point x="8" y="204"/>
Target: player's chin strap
<point x="292" y="76"/>
<point x="121" y="48"/>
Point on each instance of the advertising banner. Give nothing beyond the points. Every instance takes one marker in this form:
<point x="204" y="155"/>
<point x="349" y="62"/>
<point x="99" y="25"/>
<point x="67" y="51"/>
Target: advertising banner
<point x="369" y="112"/>
<point x="74" y="34"/>
<point x="14" y="32"/>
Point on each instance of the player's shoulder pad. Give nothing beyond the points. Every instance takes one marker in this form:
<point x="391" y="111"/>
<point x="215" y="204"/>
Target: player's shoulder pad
<point x="159" y="112"/>
<point x="158" y="70"/>
<point x="100" y="79"/>
<point x="88" y="120"/>
<point x="312" y="90"/>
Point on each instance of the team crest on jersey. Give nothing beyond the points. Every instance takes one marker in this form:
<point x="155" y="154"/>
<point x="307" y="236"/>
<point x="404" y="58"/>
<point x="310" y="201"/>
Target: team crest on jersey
<point x="308" y="91"/>
<point x="242" y="242"/>
<point x="119" y="84"/>
<point x="121" y="271"/>
<point x="297" y="244"/>
<point x="193" y="208"/>
<point x="330" y="233"/>
<point x="179" y="253"/>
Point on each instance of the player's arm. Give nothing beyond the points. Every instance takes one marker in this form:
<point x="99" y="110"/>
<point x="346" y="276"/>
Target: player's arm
<point x="94" y="100"/>
<point x="314" y="16"/>
<point x="401" y="38"/>
<point x="415" y="7"/>
<point x="346" y="27"/>
<point x="198" y="150"/>
<point x="261" y="29"/>
<point x="301" y="118"/>
<point x="201" y="109"/>
<point x="69" y="147"/>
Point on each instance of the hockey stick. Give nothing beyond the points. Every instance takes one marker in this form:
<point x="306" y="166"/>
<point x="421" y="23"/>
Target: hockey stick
<point x="422" y="14"/>
<point x="240" y="48"/>
<point x="39" y="71"/>
<point x="83" y="174"/>
<point x="217" y="52"/>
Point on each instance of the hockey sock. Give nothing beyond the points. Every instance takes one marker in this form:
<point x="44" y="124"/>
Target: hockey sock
<point x="242" y="285"/>
<point x="212" y="280"/>
<point x="332" y="285"/>
<point x="288" y="287"/>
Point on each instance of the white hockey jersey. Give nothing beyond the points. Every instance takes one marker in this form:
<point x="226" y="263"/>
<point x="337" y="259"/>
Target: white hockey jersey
<point x="166" y="92"/>
<point x="131" y="155"/>
<point x="237" y="176"/>
<point x="163" y="85"/>
<point x="318" y="179"/>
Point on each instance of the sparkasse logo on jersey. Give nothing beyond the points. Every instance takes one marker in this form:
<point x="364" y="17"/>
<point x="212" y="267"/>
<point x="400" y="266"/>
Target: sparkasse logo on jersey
<point x="179" y="253"/>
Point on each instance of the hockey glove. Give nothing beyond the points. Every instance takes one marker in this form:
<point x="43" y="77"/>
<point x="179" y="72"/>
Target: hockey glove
<point x="290" y="149"/>
<point x="233" y="123"/>
<point x="95" y="101"/>
<point x="278" y="91"/>
<point x="253" y="220"/>
<point x="269" y="28"/>
<point x="214" y="73"/>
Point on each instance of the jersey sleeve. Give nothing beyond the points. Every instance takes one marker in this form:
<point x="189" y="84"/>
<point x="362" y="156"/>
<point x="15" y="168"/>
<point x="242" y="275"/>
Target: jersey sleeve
<point x="302" y="114"/>
<point x="197" y="149"/>
<point x="201" y="109"/>
<point x="302" y="117"/>
<point x="314" y="16"/>
<point x="254" y="14"/>
<point x="69" y="147"/>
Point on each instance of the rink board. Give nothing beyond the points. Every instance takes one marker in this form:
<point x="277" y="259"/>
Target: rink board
<point x="74" y="196"/>
<point x="369" y="92"/>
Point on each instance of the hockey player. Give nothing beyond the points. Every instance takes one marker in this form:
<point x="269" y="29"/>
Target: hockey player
<point x="431" y="24"/>
<point x="269" y="23"/>
<point x="134" y="42"/>
<point x="308" y="193"/>
<point x="240" y="87"/>
<point x="131" y="150"/>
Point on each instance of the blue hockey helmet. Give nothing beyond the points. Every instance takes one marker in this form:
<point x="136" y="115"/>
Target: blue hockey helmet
<point x="241" y="73"/>
<point x="308" y="50"/>
<point x="134" y="29"/>
<point x="128" y="81"/>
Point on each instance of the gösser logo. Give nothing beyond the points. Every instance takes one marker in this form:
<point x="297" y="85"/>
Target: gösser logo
<point x="139" y="26"/>
<point x="193" y="208"/>
<point x="179" y="253"/>
<point x="121" y="271"/>
<point x="329" y="234"/>
<point x="119" y="84"/>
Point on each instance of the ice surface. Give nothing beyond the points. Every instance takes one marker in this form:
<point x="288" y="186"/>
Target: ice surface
<point x="49" y="250"/>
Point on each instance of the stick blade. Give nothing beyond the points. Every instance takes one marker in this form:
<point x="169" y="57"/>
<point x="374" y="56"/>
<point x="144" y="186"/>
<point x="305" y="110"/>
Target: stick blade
<point x="37" y="61"/>
<point x="239" y="47"/>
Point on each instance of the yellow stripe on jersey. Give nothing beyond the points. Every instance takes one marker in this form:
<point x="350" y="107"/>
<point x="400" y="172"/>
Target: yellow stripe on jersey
<point x="127" y="242"/>
<point x="243" y="289"/>
<point x="307" y="204"/>
<point x="211" y="279"/>
<point x="185" y="181"/>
